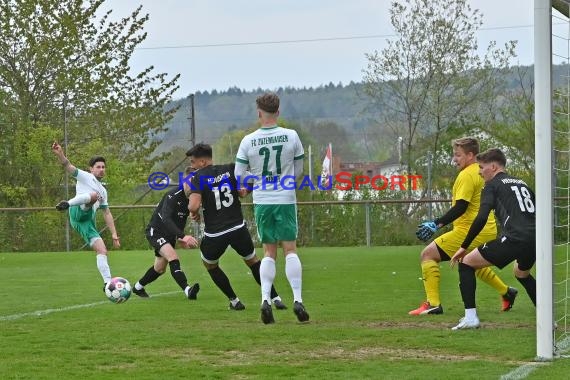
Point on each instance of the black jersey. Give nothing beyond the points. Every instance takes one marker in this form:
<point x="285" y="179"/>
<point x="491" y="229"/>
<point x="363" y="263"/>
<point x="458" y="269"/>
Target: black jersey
<point x="514" y="205"/>
<point x="171" y="214"/>
<point x="218" y="187"/>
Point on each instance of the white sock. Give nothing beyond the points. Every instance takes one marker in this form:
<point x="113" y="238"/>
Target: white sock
<point x="103" y="267"/>
<point x="80" y="199"/>
<point x="471" y="314"/>
<point x="234" y="301"/>
<point x="138" y="286"/>
<point x="294" y="272"/>
<point x="266" y="275"/>
<point x="278" y="298"/>
<point x="186" y="290"/>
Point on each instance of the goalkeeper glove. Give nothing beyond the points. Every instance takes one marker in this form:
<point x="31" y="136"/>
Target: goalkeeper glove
<point x="426" y="230"/>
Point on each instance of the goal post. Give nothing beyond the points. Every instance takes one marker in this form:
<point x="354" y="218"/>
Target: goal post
<point x="543" y="179"/>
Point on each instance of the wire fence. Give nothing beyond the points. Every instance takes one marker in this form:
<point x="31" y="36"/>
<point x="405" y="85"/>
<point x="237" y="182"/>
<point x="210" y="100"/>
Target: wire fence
<point x="321" y="223"/>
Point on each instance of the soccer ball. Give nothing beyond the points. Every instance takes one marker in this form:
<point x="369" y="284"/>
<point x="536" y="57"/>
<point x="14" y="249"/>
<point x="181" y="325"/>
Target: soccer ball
<point x="118" y="290"/>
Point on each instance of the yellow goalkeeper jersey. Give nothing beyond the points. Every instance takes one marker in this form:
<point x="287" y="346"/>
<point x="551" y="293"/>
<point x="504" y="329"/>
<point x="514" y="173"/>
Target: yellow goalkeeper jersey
<point x="468" y="186"/>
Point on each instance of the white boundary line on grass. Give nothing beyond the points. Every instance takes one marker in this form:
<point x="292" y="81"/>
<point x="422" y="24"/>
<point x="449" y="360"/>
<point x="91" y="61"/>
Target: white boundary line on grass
<point x="521" y="372"/>
<point x="39" y="313"/>
<point x="524" y="370"/>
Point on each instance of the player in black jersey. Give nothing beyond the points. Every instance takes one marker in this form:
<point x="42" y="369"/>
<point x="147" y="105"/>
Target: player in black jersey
<point x="514" y="205"/>
<point x="215" y="187"/>
<point x="166" y="226"/>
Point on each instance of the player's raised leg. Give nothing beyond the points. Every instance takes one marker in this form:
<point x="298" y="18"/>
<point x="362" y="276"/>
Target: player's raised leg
<point x="77" y="200"/>
<point x="507" y="293"/>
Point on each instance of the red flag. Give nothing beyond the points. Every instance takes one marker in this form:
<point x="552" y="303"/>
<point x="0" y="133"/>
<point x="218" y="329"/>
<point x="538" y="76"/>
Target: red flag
<point x="326" y="174"/>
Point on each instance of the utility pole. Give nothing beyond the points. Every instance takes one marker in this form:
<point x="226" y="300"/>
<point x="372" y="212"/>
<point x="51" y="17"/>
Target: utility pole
<point x="195" y="226"/>
<point x="67" y="232"/>
<point x="400" y="153"/>
<point x="429" y="192"/>
<point x="192" y="121"/>
<point x="311" y="193"/>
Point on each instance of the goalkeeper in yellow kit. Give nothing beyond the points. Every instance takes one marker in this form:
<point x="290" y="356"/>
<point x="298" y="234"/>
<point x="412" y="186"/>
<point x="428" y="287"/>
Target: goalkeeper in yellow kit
<point x="466" y="195"/>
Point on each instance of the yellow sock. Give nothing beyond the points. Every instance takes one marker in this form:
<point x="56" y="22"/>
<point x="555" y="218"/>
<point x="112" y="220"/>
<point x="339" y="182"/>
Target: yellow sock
<point x="431" y="276"/>
<point x="490" y="277"/>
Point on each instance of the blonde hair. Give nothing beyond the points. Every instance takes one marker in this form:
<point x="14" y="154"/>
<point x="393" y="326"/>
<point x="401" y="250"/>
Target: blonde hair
<point x="468" y="144"/>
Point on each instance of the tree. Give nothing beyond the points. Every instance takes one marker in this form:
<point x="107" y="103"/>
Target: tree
<point x="60" y="58"/>
<point x="325" y="132"/>
<point x="430" y="78"/>
<point x="509" y="123"/>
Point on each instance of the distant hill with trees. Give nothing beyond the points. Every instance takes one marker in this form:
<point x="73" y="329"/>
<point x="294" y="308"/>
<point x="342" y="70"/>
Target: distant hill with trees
<point x="219" y="112"/>
<point x="344" y="108"/>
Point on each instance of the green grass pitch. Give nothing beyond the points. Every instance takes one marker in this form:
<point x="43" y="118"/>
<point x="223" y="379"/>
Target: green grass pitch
<point x="56" y="323"/>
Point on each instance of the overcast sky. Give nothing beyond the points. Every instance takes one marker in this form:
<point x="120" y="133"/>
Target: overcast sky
<point x="217" y="44"/>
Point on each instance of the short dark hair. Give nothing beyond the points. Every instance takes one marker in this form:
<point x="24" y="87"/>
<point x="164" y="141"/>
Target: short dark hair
<point x="200" y="150"/>
<point x="96" y="159"/>
<point x="493" y="155"/>
<point x="268" y="102"/>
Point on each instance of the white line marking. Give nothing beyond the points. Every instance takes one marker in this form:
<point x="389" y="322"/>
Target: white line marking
<point x="521" y="372"/>
<point x="39" y="313"/>
<point x="524" y="370"/>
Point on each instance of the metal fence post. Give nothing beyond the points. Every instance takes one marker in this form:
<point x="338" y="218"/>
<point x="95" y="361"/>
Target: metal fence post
<point x="367" y="217"/>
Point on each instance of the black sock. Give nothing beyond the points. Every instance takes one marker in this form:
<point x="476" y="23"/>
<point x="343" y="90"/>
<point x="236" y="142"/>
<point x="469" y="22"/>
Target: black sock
<point x="255" y="271"/>
<point x="149" y="276"/>
<point x="178" y="274"/>
<point x="529" y="284"/>
<point x="467" y="285"/>
<point x="222" y="282"/>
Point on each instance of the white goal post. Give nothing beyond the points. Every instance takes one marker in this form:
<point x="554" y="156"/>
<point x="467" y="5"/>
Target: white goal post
<point x="543" y="178"/>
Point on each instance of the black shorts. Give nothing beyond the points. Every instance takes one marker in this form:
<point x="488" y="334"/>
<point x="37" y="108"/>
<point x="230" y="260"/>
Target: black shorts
<point x="503" y="251"/>
<point x="157" y="240"/>
<point x="212" y="248"/>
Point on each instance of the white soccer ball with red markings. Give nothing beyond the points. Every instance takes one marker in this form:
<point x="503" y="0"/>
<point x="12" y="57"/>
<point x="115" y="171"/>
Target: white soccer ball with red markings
<point x="118" y="290"/>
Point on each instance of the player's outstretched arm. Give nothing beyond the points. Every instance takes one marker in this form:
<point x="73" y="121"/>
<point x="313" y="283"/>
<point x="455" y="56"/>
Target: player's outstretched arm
<point x="58" y="151"/>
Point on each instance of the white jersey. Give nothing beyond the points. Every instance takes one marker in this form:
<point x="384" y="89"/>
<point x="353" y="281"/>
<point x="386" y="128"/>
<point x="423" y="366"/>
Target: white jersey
<point x="87" y="183"/>
<point x="270" y="153"/>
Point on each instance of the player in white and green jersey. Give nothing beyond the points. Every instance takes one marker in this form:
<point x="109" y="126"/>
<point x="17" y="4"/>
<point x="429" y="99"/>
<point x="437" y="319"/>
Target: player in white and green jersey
<point x="274" y="157"/>
<point x="90" y="194"/>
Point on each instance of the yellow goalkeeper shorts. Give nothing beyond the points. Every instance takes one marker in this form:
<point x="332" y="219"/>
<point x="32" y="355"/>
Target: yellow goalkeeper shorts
<point x="451" y="241"/>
